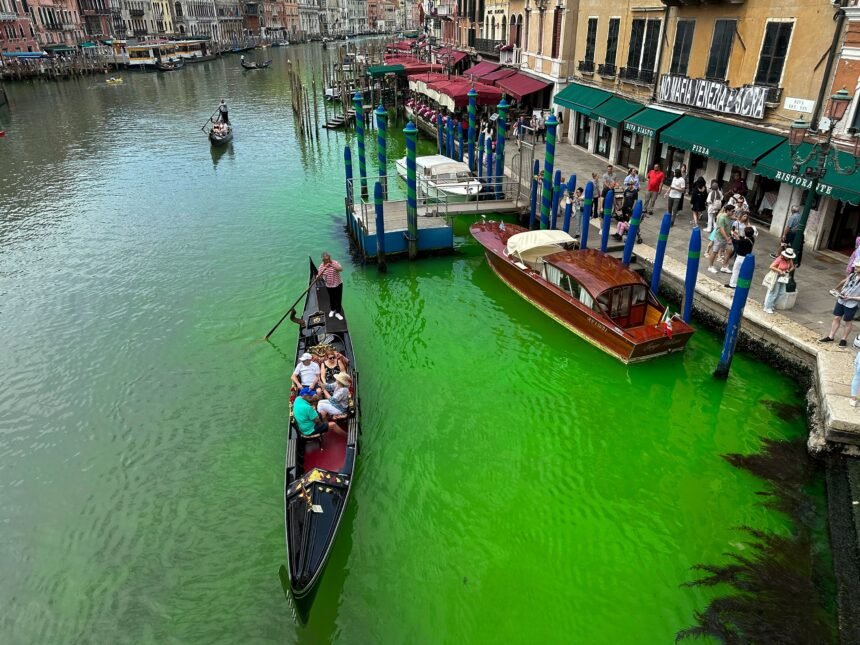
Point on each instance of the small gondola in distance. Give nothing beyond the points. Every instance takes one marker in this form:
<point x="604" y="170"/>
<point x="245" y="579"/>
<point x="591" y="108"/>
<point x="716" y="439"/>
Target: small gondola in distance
<point x="318" y="474"/>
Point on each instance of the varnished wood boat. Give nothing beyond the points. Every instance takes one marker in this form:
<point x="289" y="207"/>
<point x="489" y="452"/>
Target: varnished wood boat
<point x="318" y="477"/>
<point x="591" y="293"/>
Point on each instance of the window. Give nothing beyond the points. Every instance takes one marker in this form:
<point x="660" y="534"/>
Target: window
<point x="773" y="51"/>
<point x="721" y="49"/>
<point x="591" y="39"/>
<point x="652" y="44"/>
<point x="611" y="40"/>
<point x="556" y="32"/>
<point x="681" y="50"/>
<point x="634" y="53"/>
<point x="644" y="42"/>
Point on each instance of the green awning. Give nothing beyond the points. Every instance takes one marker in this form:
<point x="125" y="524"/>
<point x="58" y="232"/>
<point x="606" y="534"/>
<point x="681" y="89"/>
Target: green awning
<point x="581" y="98"/>
<point x="382" y="70"/>
<point x="729" y="143"/>
<point x="779" y="165"/>
<point x="59" y="49"/>
<point x="615" y="110"/>
<point x="649" y="121"/>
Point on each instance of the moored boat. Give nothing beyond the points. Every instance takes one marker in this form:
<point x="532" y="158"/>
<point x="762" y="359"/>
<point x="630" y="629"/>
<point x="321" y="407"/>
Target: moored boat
<point x="220" y="134"/>
<point x="255" y="65"/>
<point x="442" y="178"/>
<point x="318" y="472"/>
<point x="589" y="292"/>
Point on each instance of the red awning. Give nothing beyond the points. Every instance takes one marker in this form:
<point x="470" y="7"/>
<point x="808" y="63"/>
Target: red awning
<point x="480" y="69"/>
<point x="458" y="89"/>
<point x="519" y="85"/>
<point x="499" y="74"/>
<point x="428" y="77"/>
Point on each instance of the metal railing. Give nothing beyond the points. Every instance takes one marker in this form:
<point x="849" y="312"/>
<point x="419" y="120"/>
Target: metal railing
<point x="8" y="16"/>
<point x="634" y="75"/>
<point x="586" y="66"/>
<point x="606" y="70"/>
<point x="488" y="45"/>
<point x="774" y="95"/>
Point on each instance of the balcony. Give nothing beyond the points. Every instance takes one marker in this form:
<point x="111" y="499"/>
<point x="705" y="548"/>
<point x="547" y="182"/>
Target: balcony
<point x="135" y="13"/>
<point x="585" y="67"/>
<point x="640" y="76"/>
<point x="8" y="16"/>
<point x="607" y="71"/>
<point x="773" y="96"/>
<point x="488" y="46"/>
<point x="70" y="26"/>
<point x="139" y="33"/>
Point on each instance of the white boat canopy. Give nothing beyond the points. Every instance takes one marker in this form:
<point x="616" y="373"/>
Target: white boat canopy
<point x="531" y="245"/>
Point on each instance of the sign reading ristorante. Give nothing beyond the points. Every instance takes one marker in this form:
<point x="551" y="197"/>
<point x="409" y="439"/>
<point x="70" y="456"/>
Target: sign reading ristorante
<point x="713" y="95"/>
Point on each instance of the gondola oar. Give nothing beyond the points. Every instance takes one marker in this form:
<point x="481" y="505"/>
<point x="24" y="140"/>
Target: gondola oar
<point x="290" y="309"/>
<point x="209" y="120"/>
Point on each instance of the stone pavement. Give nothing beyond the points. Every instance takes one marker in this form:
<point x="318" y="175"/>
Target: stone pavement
<point x="794" y="331"/>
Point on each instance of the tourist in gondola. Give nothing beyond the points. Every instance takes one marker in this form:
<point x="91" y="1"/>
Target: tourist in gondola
<point x="223" y="113"/>
<point x="332" y="366"/>
<point x="329" y="273"/>
<point x="307" y="373"/>
<point x="308" y="420"/>
<point x="336" y="404"/>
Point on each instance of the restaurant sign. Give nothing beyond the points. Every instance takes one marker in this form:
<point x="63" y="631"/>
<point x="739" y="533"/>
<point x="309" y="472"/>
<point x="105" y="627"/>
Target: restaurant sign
<point x="638" y="129"/>
<point x="713" y="95"/>
<point x="802" y="182"/>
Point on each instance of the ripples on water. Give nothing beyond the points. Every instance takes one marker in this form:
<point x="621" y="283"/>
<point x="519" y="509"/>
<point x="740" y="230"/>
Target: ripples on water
<point x="514" y="482"/>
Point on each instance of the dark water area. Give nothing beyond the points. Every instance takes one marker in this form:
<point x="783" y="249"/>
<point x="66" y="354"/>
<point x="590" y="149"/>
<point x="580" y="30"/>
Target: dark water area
<point x="514" y="484"/>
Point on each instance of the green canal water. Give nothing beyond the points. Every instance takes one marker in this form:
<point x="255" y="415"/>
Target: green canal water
<point x="514" y="484"/>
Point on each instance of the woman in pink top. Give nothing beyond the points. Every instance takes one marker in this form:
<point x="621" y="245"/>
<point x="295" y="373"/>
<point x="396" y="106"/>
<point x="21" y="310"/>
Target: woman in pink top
<point x="329" y="273"/>
<point x="783" y="265"/>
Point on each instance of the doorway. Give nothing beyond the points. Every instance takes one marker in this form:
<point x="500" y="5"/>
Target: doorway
<point x="630" y="152"/>
<point x="846" y="228"/>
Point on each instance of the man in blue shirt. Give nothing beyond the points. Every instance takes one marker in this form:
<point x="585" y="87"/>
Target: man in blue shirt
<point x="307" y="419"/>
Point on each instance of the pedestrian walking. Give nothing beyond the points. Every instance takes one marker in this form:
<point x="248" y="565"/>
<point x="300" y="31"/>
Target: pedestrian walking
<point x="676" y="194"/>
<point x="541" y="126"/>
<point x="654" y="178"/>
<point x="720" y="237"/>
<point x="329" y="273"/>
<point x="848" y="298"/>
<point x="789" y="230"/>
<point x="699" y="200"/>
<point x="776" y="279"/>
<point x="714" y="203"/>
<point x="743" y="247"/>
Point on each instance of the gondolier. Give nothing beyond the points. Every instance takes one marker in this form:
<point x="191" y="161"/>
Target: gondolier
<point x="223" y="113"/>
<point x="329" y="273"/>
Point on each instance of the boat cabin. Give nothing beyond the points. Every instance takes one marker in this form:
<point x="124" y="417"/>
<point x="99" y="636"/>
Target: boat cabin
<point x="148" y="55"/>
<point x="441" y="169"/>
<point x="191" y="49"/>
<point x="593" y="279"/>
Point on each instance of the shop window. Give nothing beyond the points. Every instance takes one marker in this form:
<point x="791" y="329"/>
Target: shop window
<point x="721" y="49"/>
<point x="683" y="43"/>
<point x="583" y="129"/>
<point x="604" y="140"/>
<point x="612" y="41"/>
<point x="590" y="39"/>
<point x="774" y="49"/>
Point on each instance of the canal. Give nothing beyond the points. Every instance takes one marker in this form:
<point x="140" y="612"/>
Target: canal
<point x="514" y="484"/>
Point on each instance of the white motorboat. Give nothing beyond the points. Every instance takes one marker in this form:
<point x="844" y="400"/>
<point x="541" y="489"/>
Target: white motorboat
<point x="442" y="178"/>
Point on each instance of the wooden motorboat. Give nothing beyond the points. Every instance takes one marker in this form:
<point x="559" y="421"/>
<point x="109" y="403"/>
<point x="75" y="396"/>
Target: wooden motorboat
<point x="318" y="476"/>
<point x="591" y="293"/>
<point x="442" y="178"/>
<point x="220" y="134"/>
<point x="255" y="65"/>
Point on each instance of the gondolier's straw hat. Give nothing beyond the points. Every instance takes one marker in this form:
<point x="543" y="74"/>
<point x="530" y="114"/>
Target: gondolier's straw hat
<point x="343" y="378"/>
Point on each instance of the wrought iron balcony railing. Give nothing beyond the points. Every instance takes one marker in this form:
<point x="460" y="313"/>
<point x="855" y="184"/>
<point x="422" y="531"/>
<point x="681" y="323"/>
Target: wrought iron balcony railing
<point x="607" y="71"/>
<point x="586" y="66"/>
<point x="633" y="75"/>
<point x="488" y="46"/>
<point x="8" y="16"/>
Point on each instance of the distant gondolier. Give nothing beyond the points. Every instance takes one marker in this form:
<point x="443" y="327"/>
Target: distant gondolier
<point x="223" y="113"/>
<point x="329" y="272"/>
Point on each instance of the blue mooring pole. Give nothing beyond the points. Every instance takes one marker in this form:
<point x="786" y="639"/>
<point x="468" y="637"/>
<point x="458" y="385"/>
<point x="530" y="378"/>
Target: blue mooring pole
<point x="380" y="228"/>
<point x="587" y="208"/>
<point x="632" y="232"/>
<point x="501" y="128"/>
<point x="736" y="314"/>
<point x="534" y="195"/>
<point x="440" y="133"/>
<point x="662" y="238"/>
<point x="381" y="142"/>
<point x="358" y="105"/>
<point x="460" y="142"/>
<point x="347" y="163"/>
<point x="548" y="167"/>
<point x="556" y="196"/>
<point x="473" y="115"/>
<point x="693" y="253"/>
<point x="480" y="155"/>
<point x="608" y="203"/>
<point x="410" y="132"/>
<point x="450" y="153"/>
<point x="568" y="206"/>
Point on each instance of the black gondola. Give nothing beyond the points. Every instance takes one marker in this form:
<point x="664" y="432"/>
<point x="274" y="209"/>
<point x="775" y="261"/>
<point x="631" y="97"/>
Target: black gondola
<point x="221" y="138"/>
<point x="318" y="474"/>
<point x="256" y="65"/>
<point x="170" y="66"/>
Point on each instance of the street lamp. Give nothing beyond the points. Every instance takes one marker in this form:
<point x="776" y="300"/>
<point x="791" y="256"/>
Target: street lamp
<point x="821" y="156"/>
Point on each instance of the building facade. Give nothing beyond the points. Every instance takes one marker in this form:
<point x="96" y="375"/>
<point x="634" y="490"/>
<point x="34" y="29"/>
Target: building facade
<point x="56" y="24"/>
<point x="16" y="32"/>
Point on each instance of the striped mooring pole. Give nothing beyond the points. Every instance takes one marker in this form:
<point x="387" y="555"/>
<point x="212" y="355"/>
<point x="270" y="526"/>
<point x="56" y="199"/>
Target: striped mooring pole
<point x="440" y="133"/>
<point x="381" y="143"/>
<point x="587" y="209"/>
<point x="662" y="239"/>
<point x="548" y="164"/>
<point x="501" y="128"/>
<point x="736" y="315"/>
<point x="347" y="163"/>
<point x="480" y="155"/>
<point x="608" y="202"/>
<point x="534" y="195"/>
<point x="380" y="228"/>
<point x="411" y="134"/>
<point x="450" y="126"/>
<point x="693" y="253"/>
<point x="358" y="106"/>
<point x="473" y="117"/>
<point x="632" y="232"/>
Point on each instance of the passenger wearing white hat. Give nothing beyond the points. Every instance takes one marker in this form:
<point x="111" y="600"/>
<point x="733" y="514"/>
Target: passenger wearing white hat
<point x="336" y="404"/>
<point x="307" y="372"/>
<point x="846" y="306"/>
<point x="778" y="276"/>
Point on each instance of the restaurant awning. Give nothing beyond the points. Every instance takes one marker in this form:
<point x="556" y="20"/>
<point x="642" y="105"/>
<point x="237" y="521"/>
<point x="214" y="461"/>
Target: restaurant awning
<point x="381" y="70"/>
<point x="777" y="164"/>
<point x="581" y="98"/>
<point x="614" y="111"/>
<point x="729" y="143"/>
<point x="59" y="49"/>
<point x="24" y="54"/>
<point x="480" y="69"/>
<point x="649" y="121"/>
<point x="520" y="85"/>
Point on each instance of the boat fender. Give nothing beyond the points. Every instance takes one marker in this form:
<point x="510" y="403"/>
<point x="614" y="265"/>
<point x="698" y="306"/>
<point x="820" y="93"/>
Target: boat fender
<point x="2" y="133"/>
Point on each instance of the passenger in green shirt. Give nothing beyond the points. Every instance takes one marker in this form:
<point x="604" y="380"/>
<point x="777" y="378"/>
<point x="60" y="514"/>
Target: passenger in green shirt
<point x="721" y="236"/>
<point x="307" y="419"/>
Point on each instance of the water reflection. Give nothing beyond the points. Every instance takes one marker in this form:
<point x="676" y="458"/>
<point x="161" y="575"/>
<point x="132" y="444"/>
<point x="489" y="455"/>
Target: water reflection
<point x="220" y="151"/>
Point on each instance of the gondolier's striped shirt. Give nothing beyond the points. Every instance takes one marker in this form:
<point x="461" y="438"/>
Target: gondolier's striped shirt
<point x="331" y="274"/>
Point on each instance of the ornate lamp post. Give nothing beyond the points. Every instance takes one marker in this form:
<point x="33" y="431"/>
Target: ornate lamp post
<point x="822" y="155"/>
